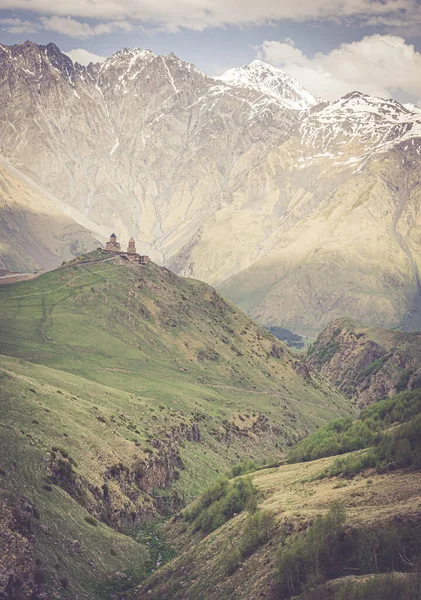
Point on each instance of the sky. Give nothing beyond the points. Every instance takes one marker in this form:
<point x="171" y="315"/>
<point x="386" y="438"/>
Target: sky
<point x="331" y="46"/>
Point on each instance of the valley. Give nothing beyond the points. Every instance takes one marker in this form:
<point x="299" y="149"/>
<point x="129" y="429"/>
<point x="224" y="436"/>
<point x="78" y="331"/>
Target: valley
<point x="330" y="527"/>
<point x="371" y="501"/>
<point x="125" y="390"/>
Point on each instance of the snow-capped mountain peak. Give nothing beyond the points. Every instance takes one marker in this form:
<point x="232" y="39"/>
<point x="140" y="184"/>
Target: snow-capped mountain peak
<point x="270" y="80"/>
<point x="357" y="105"/>
<point x="127" y="59"/>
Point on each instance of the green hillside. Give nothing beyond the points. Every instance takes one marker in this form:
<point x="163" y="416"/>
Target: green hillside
<point x="335" y="528"/>
<point x="124" y="391"/>
<point x="390" y="429"/>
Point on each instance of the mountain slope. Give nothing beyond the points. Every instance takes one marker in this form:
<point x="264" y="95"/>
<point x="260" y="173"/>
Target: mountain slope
<point x="309" y="533"/>
<point x="36" y="233"/>
<point x="347" y="240"/>
<point x="292" y="493"/>
<point x="124" y="390"/>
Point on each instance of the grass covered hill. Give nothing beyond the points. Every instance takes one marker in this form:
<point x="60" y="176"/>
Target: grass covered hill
<point x="282" y="548"/>
<point x="124" y="391"/>
<point x="367" y="363"/>
<point x="331" y="528"/>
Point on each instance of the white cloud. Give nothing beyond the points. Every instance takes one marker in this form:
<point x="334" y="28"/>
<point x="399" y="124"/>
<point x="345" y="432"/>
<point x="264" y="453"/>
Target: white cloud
<point x="18" y="26"/>
<point x="199" y="14"/>
<point x="64" y="25"/>
<point x="73" y="28"/>
<point x="67" y="26"/>
<point x="84" y="57"/>
<point x="379" y="65"/>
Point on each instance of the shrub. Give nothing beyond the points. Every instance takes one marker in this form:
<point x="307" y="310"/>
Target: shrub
<point x="404" y="379"/>
<point x="258" y="529"/>
<point x="220" y="503"/>
<point x="344" y="435"/>
<point x="211" y="495"/>
<point x="338" y="437"/>
<point x="91" y="521"/>
<point x="381" y="587"/>
<point x="328" y="550"/>
<point x="398" y="449"/>
<point x="309" y="558"/>
<point x="323" y="354"/>
<point x="243" y="468"/>
<point x="231" y="560"/>
<point x="251" y="505"/>
<point x="292" y="339"/>
<point x="371" y="369"/>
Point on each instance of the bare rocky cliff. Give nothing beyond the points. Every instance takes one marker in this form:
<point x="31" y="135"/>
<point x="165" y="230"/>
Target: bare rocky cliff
<point x="142" y="144"/>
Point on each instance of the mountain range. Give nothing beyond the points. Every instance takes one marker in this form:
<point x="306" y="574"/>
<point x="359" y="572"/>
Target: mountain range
<point x="299" y="211"/>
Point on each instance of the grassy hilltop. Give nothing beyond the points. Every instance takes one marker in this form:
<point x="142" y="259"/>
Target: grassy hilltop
<point x="124" y="391"/>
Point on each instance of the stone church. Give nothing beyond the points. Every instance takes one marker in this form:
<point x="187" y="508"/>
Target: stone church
<point x="131" y="254"/>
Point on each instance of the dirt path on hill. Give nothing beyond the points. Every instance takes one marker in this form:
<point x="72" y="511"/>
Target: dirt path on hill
<point x="17" y="277"/>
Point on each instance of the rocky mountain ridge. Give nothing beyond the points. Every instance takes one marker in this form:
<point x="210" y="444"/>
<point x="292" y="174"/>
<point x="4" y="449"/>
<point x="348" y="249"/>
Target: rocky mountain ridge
<point x="242" y="181"/>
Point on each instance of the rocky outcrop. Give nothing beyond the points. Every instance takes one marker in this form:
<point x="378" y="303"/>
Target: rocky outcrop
<point x="127" y="496"/>
<point x="20" y="575"/>
<point x="367" y="363"/>
<point x="254" y="427"/>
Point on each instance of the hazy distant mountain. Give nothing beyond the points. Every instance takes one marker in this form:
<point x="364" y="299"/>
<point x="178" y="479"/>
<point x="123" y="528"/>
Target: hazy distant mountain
<point x="300" y="212"/>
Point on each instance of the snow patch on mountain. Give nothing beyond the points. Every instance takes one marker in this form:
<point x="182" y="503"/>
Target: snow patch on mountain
<point x="356" y="127"/>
